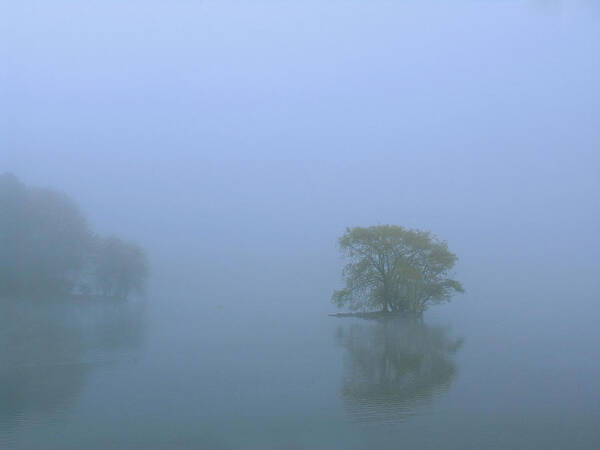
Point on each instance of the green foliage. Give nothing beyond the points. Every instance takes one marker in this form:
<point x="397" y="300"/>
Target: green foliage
<point x="391" y="268"/>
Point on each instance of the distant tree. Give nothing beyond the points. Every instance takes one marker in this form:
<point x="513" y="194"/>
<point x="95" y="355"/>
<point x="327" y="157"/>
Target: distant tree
<point x="120" y="267"/>
<point x="13" y="201"/>
<point x="44" y="239"/>
<point x="391" y="268"/>
<point x="46" y="247"/>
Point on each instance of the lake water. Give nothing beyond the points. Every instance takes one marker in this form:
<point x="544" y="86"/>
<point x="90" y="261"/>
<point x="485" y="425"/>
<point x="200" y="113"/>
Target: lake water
<point x="169" y="374"/>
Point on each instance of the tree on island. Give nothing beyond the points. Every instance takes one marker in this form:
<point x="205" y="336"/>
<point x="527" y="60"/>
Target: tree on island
<point x="393" y="269"/>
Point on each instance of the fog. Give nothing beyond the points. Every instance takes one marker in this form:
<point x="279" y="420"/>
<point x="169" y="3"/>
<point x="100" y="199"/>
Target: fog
<point x="235" y="142"/>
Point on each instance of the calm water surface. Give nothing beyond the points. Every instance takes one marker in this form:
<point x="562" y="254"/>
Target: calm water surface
<point x="151" y="376"/>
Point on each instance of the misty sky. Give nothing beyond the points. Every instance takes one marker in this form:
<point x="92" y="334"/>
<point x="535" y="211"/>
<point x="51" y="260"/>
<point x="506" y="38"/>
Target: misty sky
<point x="254" y="132"/>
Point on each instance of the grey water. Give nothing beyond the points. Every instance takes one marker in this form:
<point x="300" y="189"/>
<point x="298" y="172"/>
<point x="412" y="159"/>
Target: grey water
<point x="169" y="373"/>
<point x="235" y="141"/>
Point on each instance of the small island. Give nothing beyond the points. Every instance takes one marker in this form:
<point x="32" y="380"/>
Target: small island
<point x="393" y="271"/>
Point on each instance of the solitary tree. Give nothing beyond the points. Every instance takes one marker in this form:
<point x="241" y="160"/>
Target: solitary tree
<point x="121" y="267"/>
<point x="391" y="268"/>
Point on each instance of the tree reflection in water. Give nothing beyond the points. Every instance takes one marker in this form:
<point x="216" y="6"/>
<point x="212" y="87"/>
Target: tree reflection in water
<point x="394" y="365"/>
<point x="48" y="350"/>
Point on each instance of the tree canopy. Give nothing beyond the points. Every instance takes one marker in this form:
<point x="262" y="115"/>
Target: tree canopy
<point x="391" y="268"/>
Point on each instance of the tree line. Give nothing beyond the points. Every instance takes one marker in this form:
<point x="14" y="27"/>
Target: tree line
<point x="48" y="247"/>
